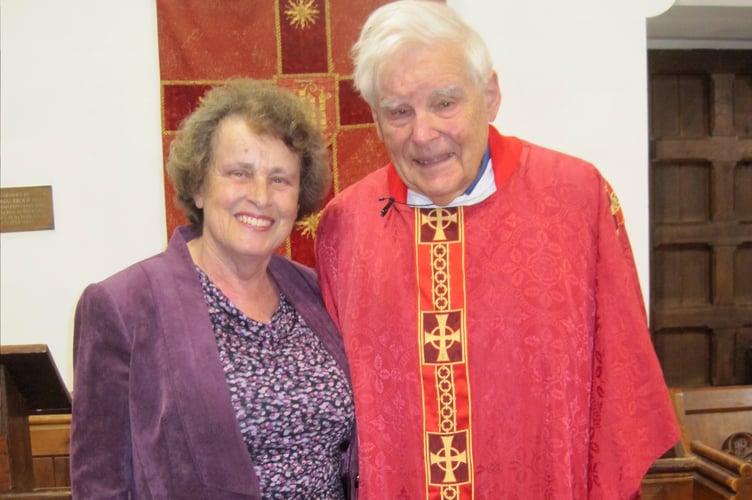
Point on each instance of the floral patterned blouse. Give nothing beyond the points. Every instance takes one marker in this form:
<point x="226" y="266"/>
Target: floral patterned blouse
<point x="293" y="402"/>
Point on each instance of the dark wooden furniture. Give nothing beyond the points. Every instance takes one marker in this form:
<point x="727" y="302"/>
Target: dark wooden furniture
<point x="701" y="215"/>
<point x="30" y="384"/>
<point x="698" y="468"/>
<point x="50" y="450"/>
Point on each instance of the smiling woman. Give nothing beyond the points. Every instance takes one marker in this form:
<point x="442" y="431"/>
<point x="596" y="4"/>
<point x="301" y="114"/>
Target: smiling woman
<point x="212" y="370"/>
<point x="249" y="199"/>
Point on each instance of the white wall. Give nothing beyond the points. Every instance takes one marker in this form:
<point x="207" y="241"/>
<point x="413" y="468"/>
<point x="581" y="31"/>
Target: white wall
<point x="574" y="78"/>
<point x="79" y="108"/>
<point x="80" y="111"/>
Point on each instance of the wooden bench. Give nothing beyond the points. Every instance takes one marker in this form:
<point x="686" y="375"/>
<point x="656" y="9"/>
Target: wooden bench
<point x="713" y="459"/>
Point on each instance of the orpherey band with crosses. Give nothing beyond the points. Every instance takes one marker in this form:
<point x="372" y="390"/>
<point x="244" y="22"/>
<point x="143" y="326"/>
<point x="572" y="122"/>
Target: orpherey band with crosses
<point x="442" y="333"/>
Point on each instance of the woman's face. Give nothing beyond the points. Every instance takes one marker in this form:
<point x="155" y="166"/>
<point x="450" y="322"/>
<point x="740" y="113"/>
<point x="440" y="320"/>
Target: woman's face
<point x="250" y="193"/>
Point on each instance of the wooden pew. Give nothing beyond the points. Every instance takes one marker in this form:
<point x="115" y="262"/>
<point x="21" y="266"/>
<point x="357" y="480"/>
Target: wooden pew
<point x="713" y="460"/>
<point x="30" y="385"/>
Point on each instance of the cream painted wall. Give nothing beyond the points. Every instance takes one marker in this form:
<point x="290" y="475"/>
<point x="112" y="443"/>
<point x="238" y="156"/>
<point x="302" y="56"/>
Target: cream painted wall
<point x="79" y="111"/>
<point x="573" y="77"/>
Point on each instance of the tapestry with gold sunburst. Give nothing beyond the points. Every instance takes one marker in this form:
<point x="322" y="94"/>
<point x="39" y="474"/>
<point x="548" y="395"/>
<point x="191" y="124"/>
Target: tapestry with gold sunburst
<point x="303" y="45"/>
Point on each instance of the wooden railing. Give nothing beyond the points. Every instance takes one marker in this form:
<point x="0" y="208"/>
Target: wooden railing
<point x="703" y="466"/>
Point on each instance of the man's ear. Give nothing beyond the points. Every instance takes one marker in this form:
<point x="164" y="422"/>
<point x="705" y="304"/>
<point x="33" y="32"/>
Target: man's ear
<point x="377" y="123"/>
<point x="493" y="96"/>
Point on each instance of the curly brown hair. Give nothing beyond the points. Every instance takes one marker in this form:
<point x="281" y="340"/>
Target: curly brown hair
<point x="268" y="110"/>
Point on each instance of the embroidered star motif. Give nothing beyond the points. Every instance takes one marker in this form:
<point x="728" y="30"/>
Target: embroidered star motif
<point x="301" y="13"/>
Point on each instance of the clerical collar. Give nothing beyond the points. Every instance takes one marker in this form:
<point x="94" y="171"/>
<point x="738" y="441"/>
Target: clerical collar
<point x="483" y="186"/>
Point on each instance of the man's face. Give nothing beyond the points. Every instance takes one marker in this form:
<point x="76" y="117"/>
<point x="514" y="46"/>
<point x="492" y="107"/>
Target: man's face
<point x="434" y="119"/>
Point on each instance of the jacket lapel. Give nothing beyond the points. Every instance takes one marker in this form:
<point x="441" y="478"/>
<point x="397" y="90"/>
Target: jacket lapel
<point x="201" y="394"/>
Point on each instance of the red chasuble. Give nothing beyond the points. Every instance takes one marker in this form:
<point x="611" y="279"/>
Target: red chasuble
<point x="498" y="350"/>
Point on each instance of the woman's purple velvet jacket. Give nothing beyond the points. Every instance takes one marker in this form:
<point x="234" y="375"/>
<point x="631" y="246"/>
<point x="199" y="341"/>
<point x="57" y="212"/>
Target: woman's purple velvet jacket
<point x="151" y="410"/>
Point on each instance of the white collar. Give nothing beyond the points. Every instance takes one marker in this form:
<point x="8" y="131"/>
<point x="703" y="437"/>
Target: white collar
<point x="485" y="187"/>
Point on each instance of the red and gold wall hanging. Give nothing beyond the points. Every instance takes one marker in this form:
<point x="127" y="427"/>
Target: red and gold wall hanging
<point x="303" y="45"/>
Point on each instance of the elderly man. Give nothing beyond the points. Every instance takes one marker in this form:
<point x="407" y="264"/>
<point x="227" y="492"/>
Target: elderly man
<point x="486" y="291"/>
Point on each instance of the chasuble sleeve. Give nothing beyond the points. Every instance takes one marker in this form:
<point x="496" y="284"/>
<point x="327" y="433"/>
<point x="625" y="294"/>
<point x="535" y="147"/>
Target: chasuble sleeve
<point x="100" y="433"/>
<point x="632" y="420"/>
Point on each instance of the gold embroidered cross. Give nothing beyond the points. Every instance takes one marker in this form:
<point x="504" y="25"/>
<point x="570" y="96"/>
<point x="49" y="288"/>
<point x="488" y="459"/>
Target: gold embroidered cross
<point x="439" y="219"/>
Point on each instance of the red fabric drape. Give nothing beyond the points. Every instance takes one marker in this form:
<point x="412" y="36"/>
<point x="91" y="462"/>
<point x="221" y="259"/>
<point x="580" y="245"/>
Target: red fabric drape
<point x="303" y="45"/>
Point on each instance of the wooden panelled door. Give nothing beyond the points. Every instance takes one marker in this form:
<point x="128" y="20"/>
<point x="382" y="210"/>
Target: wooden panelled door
<point x="701" y="215"/>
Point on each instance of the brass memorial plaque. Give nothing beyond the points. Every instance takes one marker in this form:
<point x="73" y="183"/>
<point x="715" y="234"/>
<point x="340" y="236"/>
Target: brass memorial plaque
<point x="26" y="209"/>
